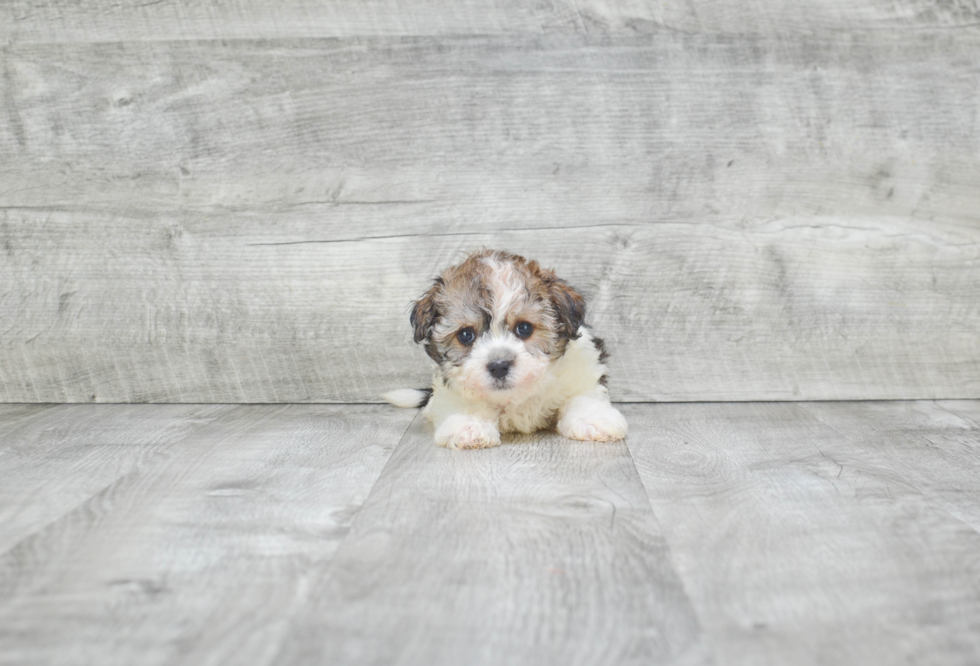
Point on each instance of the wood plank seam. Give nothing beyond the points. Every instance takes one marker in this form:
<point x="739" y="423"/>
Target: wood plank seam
<point x="670" y="554"/>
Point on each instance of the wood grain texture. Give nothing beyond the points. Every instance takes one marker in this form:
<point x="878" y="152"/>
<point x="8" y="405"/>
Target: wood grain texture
<point x="64" y="455"/>
<point x="966" y="409"/>
<point x="12" y="416"/>
<point x="754" y="217"/>
<point x="814" y="541"/>
<point x="194" y="310"/>
<point x="787" y="17"/>
<point x="542" y="551"/>
<point x="198" y="558"/>
<point x="922" y="445"/>
<point x="33" y="22"/>
<point x="760" y="534"/>
<point x="478" y="130"/>
<point x="91" y="21"/>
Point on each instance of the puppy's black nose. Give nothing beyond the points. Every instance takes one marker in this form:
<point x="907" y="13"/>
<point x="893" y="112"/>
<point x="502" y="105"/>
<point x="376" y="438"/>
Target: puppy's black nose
<point x="499" y="369"/>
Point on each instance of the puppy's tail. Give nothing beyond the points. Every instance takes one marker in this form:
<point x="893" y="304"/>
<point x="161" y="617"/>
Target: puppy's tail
<point x="408" y="398"/>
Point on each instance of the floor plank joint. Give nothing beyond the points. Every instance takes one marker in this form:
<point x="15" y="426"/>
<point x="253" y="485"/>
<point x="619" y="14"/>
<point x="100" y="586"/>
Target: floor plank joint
<point x="718" y="533"/>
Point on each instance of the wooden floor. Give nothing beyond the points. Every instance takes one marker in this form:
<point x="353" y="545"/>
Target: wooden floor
<point x="753" y="533"/>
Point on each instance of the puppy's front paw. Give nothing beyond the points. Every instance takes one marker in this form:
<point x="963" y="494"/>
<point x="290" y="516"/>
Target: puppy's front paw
<point x="592" y="421"/>
<point x="464" y="431"/>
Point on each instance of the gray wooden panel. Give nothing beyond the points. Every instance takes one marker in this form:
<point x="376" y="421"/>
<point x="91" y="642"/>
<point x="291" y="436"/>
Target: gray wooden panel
<point x="91" y="20"/>
<point x="789" y="17"/>
<point x="814" y="309"/>
<point x="798" y="546"/>
<point x="542" y="551"/>
<point x="200" y="557"/>
<point x="466" y="132"/>
<point x="755" y="218"/>
<point x="60" y="458"/>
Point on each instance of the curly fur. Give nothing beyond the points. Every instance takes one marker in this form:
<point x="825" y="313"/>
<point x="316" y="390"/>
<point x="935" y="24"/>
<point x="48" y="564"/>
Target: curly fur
<point x="475" y="317"/>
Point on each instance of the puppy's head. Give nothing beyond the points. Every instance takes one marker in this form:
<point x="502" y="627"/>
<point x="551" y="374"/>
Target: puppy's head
<point x="494" y="322"/>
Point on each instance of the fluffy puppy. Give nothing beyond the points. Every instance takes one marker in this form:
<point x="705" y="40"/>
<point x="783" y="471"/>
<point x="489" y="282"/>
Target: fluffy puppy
<point x="513" y="356"/>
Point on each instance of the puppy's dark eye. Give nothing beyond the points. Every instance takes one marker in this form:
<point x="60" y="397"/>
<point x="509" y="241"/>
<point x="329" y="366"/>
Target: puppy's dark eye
<point x="466" y="336"/>
<point x="523" y="330"/>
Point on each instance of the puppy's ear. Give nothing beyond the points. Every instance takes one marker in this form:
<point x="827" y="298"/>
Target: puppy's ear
<point x="568" y="303"/>
<point x="425" y="313"/>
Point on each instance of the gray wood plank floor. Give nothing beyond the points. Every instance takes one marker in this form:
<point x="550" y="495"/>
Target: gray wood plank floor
<point x="754" y="533"/>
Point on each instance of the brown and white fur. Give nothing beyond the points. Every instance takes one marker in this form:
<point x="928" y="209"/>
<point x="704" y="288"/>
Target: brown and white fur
<point x="513" y="356"/>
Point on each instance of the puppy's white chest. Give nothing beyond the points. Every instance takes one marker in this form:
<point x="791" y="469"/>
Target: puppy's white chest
<point x="532" y="415"/>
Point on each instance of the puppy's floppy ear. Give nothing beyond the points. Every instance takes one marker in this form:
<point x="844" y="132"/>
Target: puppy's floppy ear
<point x="568" y="303"/>
<point x="425" y="313"/>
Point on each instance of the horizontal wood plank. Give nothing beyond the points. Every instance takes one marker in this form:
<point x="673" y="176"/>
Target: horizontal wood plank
<point x="783" y="17"/>
<point x="467" y="132"/>
<point x="542" y="551"/>
<point x="63" y="21"/>
<point x="194" y="557"/>
<point x="195" y="311"/>
<point x="806" y="540"/>
<point x="90" y="21"/>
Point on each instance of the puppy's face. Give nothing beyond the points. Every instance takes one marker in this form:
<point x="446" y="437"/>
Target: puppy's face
<point x="494" y="322"/>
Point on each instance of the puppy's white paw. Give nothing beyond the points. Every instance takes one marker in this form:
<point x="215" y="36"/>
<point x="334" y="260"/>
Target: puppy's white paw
<point x="464" y="431"/>
<point x="592" y="421"/>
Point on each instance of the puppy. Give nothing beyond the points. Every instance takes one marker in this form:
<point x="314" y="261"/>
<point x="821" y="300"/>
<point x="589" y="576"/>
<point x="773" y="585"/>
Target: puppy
<point x="513" y="356"/>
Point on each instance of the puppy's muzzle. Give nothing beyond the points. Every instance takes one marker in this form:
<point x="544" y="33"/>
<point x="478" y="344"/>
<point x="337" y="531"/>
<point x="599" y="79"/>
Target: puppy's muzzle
<point x="499" y="369"/>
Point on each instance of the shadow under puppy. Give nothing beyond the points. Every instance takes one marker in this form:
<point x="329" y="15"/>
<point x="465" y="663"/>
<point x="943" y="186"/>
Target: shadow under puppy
<point x="513" y="356"/>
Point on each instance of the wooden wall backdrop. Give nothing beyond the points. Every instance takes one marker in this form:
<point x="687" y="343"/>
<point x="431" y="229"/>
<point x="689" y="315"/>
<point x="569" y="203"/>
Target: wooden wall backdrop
<point x="237" y="201"/>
